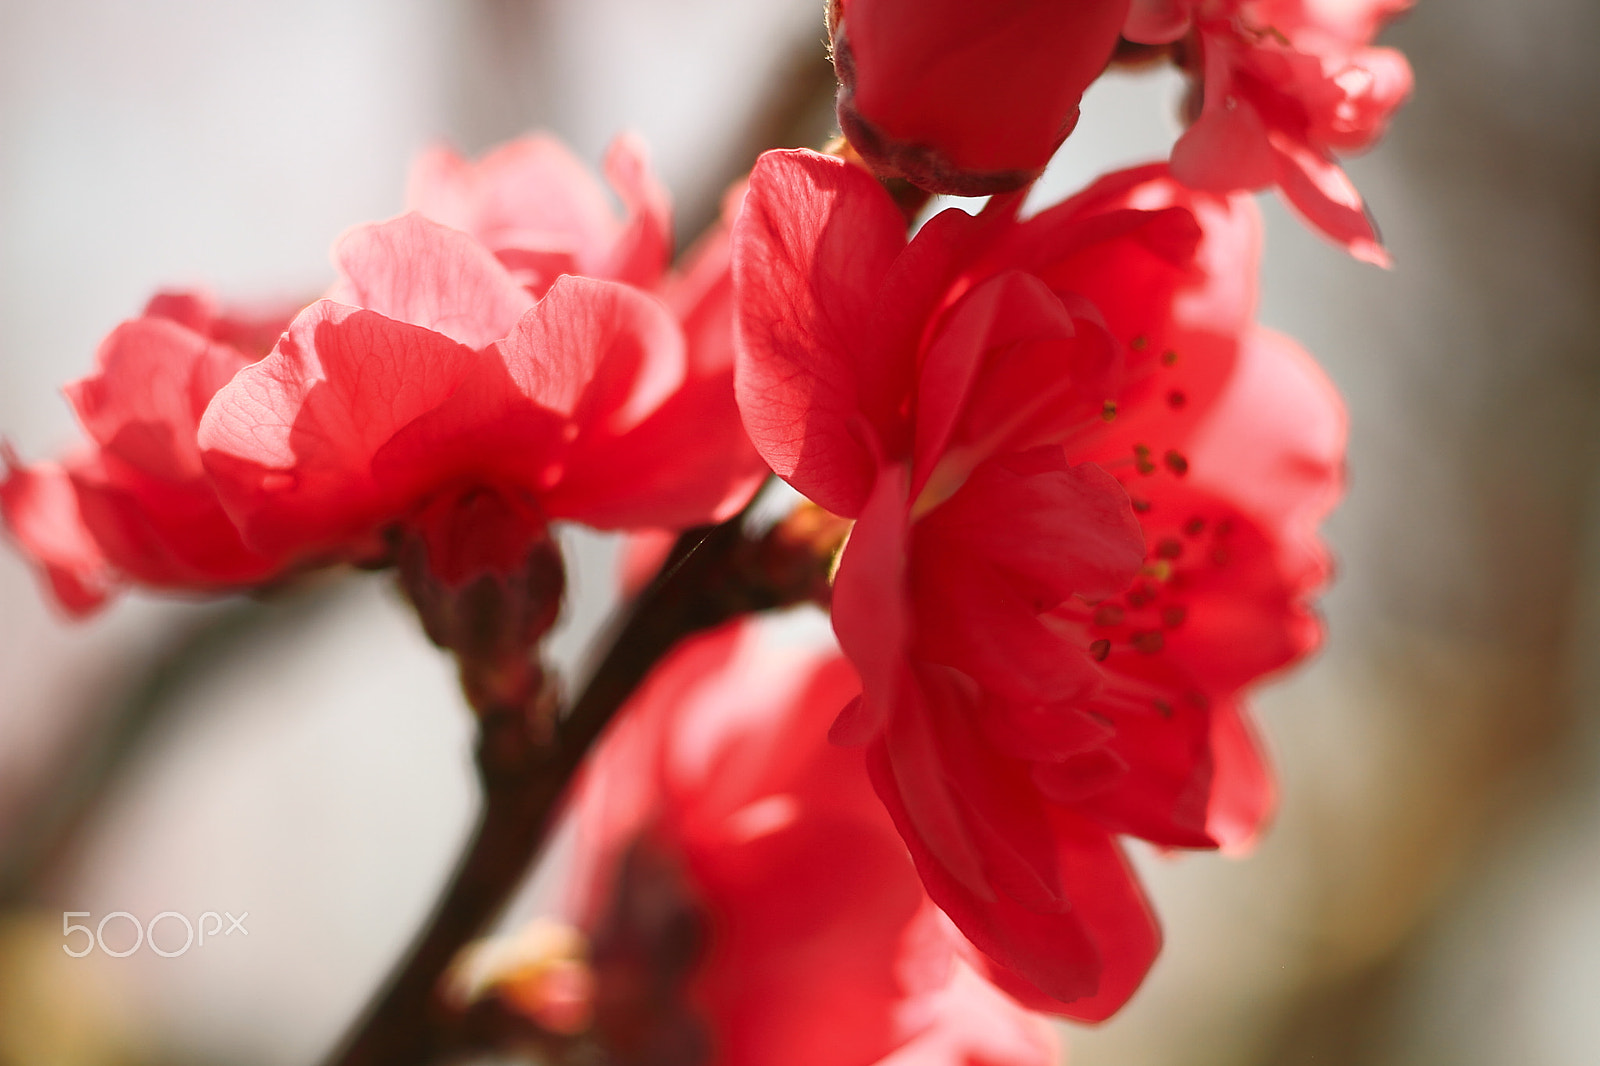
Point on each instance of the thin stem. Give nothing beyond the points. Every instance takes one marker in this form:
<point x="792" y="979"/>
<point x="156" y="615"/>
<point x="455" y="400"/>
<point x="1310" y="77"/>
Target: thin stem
<point x="713" y="574"/>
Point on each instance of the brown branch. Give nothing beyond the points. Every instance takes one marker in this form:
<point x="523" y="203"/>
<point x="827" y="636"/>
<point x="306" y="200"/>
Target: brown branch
<point x="714" y="574"/>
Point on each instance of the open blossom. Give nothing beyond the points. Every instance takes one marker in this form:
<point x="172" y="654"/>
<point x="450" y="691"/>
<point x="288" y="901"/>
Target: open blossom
<point x="966" y="98"/>
<point x="133" y="504"/>
<point x="433" y="413"/>
<point x="447" y="395"/>
<point x="538" y="209"/>
<point x="745" y="899"/>
<point x="1086" y="486"/>
<point x="1284" y="86"/>
<point x="435" y="396"/>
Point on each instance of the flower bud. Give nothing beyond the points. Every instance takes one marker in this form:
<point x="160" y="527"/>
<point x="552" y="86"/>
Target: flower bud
<point x="486" y="580"/>
<point x="962" y="98"/>
<point x="541" y="972"/>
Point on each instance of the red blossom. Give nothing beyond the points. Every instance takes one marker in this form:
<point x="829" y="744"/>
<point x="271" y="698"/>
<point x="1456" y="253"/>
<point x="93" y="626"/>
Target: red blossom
<point x="441" y="375"/>
<point x="542" y="214"/>
<point x="718" y="799"/>
<point x="966" y="98"/>
<point x="1284" y="86"/>
<point x="134" y="504"/>
<point x="1086" y="488"/>
<point x="433" y="376"/>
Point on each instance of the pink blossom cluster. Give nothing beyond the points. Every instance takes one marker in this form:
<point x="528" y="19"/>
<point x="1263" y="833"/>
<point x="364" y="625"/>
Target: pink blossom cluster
<point x="506" y="354"/>
<point x="1081" y="486"/>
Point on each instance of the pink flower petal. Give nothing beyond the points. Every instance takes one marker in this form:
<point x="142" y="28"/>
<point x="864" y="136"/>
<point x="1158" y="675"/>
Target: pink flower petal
<point x="419" y="272"/>
<point x="153" y="381"/>
<point x="290" y="441"/>
<point x="40" y="509"/>
<point x="811" y="249"/>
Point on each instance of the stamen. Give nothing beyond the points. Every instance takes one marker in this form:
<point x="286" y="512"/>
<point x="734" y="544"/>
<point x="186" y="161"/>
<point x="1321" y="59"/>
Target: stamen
<point x="1161" y="570"/>
<point x="1099" y="650"/>
<point x="1172" y="617"/>
<point x="1109" y="615"/>
<point x="1176" y="462"/>
<point x="1148" y="641"/>
<point x="1139" y="343"/>
<point x="1195" y="526"/>
<point x="1141" y="459"/>
<point x="1169" y="548"/>
<point x="1169" y="357"/>
<point x="1176" y="399"/>
<point x="1108" y="411"/>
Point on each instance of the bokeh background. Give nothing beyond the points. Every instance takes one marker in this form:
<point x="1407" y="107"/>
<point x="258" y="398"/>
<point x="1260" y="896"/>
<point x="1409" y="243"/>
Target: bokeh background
<point x="1431" y="891"/>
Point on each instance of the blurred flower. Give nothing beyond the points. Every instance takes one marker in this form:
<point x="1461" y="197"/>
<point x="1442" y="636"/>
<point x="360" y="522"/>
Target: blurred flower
<point x="984" y="400"/>
<point x="438" y="410"/>
<point x="743" y="896"/>
<point x="1282" y="87"/>
<point x="134" y="504"/>
<point x="539" y="210"/>
<point x="540" y="972"/>
<point x="966" y="98"/>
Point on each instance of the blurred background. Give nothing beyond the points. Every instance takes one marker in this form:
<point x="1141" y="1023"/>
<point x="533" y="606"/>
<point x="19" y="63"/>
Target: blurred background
<point x="1431" y="891"/>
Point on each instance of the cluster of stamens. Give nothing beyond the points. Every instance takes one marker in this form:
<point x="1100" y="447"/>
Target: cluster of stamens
<point x="1141" y="618"/>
